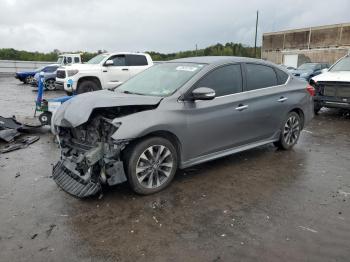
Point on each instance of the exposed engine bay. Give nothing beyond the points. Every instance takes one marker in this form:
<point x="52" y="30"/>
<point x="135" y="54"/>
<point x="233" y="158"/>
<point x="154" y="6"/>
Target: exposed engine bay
<point x="90" y="157"/>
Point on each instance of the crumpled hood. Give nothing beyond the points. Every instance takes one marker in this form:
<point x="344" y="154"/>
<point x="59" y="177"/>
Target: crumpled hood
<point x="341" y="76"/>
<point x="78" y="109"/>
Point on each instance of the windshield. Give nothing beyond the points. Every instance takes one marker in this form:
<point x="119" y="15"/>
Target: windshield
<point x="97" y="59"/>
<point x="161" y="80"/>
<point x="307" y="67"/>
<point x="342" y="65"/>
<point x="59" y="60"/>
<point x="40" y="69"/>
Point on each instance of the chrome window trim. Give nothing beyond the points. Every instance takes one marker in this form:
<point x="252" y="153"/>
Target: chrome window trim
<point x="256" y="90"/>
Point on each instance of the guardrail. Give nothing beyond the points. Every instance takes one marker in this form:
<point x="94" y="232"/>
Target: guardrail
<point x="9" y="67"/>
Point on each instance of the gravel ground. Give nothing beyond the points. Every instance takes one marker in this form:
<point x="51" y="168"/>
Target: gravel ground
<point x="259" y="205"/>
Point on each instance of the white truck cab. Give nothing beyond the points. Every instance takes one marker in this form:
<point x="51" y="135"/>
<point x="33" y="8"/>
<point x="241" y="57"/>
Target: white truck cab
<point x="104" y="71"/>
<point x="66" y="59"/>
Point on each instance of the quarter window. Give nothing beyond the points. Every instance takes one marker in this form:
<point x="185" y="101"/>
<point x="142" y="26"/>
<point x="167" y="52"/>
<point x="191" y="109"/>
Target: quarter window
<point x="260" y="76"/>
<point x="225" y="80"/>
<point x="137" y="60"/>
<point x="281" y="77"/>
<point x="76" y="60"/>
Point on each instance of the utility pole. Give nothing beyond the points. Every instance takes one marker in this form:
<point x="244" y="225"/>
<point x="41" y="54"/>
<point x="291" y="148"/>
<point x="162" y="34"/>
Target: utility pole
<point x="196" y="50"/>
<point x="256" y="31"/>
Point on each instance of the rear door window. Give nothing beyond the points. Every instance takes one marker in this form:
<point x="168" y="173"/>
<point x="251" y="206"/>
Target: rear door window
<point x="225" y="80"/>
<point x="260" y="76"/>
<point x="136" y="60"/>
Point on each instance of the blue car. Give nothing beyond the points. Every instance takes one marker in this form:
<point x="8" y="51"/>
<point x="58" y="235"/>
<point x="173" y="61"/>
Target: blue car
<point x="309" y="70"/>
<point x="28" y="76"/>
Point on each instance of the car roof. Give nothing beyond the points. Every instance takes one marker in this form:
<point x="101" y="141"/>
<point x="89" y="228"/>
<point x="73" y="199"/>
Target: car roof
<point x="219" y="60"/>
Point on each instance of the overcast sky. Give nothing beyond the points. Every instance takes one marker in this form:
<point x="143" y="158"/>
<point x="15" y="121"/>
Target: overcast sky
<point x="157" y="25"/>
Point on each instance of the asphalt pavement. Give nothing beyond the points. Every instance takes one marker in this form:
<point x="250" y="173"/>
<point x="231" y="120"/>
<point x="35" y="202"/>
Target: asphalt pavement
<point x="259" y="205"/>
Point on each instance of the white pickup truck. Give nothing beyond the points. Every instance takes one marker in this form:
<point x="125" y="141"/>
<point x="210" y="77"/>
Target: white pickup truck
<point x="104" y="71"/>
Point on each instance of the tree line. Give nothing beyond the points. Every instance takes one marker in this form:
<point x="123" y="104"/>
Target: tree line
<point x="228" y="49"/>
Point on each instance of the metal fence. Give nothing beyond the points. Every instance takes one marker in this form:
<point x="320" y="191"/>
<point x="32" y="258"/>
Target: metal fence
<point x="9" y="67"/>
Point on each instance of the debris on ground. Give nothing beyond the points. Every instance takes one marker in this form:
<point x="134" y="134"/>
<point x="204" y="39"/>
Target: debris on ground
<point x="19" y="144"/>
<point x="34" y="236"/>
<point x="11" y="128"/>
<point x="308" y="229"/>
<point x="8" y="135"/>
<point x="18" y="174"/>
<point x="49" y="231"/>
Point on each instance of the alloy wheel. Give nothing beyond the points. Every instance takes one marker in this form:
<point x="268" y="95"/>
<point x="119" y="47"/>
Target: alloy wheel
<point x="291" y="130"/>
<point x="50" y="85"/>
<point x="154" y="166"/>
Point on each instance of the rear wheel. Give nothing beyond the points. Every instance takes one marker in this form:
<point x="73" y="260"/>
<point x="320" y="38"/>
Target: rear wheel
<point x="290" y="132"/>
<point x="151" y="165"/>
<point x="87" y="86"/>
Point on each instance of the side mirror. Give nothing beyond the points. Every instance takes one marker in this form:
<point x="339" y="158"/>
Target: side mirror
<point x="109" y="63"/>
<point x="203" y="93"/>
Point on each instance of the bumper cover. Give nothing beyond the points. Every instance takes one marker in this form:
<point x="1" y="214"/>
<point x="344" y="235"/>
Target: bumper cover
<point x="73" y="184"/>
<point x="333" y="102"/>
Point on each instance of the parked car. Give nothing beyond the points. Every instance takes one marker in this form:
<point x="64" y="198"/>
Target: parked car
<point x="104" y="71"/>
<point x="289" y="68"/>
<point x="333" y="86"/>
<point x="49" y="77"/>
<point x="176" y="115"/>
<point x="309" y="70"/>
<point x="27" y="77"/>
<point x="66" y="59"/>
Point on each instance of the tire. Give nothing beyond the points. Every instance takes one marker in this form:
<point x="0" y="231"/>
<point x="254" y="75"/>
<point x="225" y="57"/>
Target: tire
<point x="290" y="132"/>
<point x="45" y="118"/>
<point x="317" y="108"/>
<point x="50" y="85"/>
<point x="28" y="80"/>
<point x="155" y="171"/>
<point x="87" y="86"/>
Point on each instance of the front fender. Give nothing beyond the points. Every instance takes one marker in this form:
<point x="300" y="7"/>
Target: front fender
<point x="145" y="122"/>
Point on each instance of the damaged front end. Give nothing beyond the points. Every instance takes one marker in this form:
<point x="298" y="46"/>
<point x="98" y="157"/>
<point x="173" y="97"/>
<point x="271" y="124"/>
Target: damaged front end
<point x="89" y="157"/>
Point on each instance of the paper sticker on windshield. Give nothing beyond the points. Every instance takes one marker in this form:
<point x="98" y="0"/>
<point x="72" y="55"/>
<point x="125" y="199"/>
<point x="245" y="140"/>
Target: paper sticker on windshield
<point x="186" y="68"/>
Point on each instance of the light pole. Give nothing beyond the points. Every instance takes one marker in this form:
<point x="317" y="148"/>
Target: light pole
<point x="256" y="31"/>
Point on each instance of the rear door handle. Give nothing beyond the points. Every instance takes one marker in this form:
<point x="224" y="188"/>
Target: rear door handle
<point x="241" y="107"/>
<point x="125" y="69"/>
<point x="282" y="99"/>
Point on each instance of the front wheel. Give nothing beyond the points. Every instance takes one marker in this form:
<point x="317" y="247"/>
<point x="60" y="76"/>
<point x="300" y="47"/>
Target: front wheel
<point x="151" y="165"/>
<point x="50" y="85"/>
<point x="28" y="80"/>
<point x="87" y="86"/>
<point x="290" y="132"/>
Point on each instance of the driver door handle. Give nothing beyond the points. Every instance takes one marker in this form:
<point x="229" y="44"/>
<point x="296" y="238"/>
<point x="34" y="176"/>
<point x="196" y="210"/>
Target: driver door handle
<point x="125" y="69"/>
<point x="241" y="107"/>
<point x="282" y="99"/>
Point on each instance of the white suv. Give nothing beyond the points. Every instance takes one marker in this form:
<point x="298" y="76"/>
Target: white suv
<point x="104" y="71"/>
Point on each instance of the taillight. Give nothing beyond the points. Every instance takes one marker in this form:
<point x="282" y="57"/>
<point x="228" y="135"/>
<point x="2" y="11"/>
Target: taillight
<point x="311" y="90"/>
